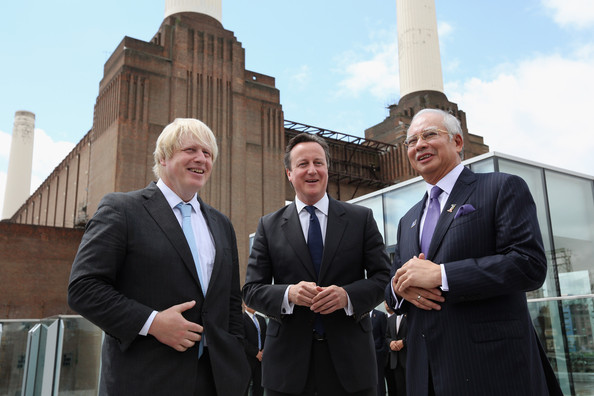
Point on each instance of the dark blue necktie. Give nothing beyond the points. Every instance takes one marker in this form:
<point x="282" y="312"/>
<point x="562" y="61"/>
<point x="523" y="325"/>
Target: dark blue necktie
<point x="316" y="251"/>
<point x="314" y="238"/>
<point x="431" y="218"/>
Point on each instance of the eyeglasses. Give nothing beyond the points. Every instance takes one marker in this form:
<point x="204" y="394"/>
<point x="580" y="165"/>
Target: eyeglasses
<point x="427" y="135"/>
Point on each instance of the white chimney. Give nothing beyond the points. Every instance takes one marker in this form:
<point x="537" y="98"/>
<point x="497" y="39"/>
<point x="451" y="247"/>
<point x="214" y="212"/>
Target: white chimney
<point x="20" y="163"/>
<point x="208" y="7"/>
<point x="418" y="47"/>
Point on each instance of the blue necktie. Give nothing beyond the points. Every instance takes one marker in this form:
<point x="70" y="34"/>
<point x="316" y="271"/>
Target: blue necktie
<point x="431" y="218"/>
<point x="316" y="251"/>
<point x="259" y="336"/>
<point x="186" y="211"/>
<point x="314" y="239"/>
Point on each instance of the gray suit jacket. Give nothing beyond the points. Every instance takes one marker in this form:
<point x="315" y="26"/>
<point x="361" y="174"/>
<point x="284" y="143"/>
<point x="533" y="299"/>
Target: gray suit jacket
<point x="353" y="249"/>
<point x="482" y="341"/>
<point x="133" y="259"/>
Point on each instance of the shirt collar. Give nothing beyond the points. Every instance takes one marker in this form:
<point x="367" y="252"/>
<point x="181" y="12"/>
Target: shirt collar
<point x="173" y="199"/>
<point x="321" y="205"/>
<point x="447" y="182"/>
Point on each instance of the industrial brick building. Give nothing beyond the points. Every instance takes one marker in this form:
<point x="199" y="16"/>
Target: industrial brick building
<point x="194" y="67"/>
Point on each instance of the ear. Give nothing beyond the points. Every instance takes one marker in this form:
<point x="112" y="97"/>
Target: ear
<point x="459" y="142"/>
<point x="288" y="172"/>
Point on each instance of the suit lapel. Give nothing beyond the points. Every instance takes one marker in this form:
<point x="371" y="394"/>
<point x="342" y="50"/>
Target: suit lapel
<point x="158" y="208"/>
<point x="335" y="228"/>
<point x="460" y="193"/>
<point x="410" y="225"/>
<point x="291" y="226"/>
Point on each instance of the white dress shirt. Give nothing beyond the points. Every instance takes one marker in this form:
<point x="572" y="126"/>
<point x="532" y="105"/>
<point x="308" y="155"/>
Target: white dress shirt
<point x="322" y="214"/>
<point x="205" y="245"/>
<point x="447" y="185"/>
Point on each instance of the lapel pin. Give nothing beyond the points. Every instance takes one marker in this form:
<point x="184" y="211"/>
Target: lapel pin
<point x="451" y="209"/>
<point x="414" y="223"/>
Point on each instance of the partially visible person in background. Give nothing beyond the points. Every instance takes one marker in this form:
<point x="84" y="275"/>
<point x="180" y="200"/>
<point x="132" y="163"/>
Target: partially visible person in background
<point x="379" y="320"/>
<point x="395" y="339"/>
<point x="255" y="335"/>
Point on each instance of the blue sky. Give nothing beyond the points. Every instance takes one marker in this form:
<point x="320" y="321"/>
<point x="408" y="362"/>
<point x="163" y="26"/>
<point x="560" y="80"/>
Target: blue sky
<point x="523" y="71"/>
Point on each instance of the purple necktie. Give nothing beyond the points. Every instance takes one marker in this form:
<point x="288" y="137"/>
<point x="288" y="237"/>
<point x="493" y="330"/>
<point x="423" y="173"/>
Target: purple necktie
<point x="433" y="212"/>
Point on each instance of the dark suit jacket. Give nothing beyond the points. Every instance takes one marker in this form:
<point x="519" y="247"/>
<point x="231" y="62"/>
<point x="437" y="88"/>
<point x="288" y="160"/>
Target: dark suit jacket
<point x="133" y="259"/>
<point x="251" y="337"/>
<point x="396" y="358"/>
<point x="353" y="248"/>
<point x="379" y="322"/>
<point x="482" y="341"/>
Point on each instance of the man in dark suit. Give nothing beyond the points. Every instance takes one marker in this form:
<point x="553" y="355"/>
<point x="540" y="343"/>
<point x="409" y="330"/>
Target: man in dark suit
<point x="255" y="336"/>
<point x="395" y="339"/>
<point x="463" y="285"/>
<point x="170" y="304"/>
<point x="317" y="268"/>
<point x="379" y="321"/>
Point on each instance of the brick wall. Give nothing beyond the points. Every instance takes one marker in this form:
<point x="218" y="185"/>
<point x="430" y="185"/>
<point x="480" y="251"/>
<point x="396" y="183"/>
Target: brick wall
<point x="35" y="266"/>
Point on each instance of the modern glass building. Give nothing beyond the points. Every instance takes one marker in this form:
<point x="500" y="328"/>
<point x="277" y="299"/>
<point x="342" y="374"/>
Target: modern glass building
<point x="61" y="355"/>
<point x="563" y="308"/>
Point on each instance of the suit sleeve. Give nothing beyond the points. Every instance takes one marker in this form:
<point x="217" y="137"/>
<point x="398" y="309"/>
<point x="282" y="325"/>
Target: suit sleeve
<point x="235" y="314"/>
<point x="259" y="278"/>
<point x="366" y="293"/>
<point x="92" y="288"/>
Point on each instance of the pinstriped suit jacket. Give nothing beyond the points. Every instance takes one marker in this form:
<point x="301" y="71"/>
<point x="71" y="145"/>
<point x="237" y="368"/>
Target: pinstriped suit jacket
<point x="133" y="259"/>
<point x="482" y="341"/>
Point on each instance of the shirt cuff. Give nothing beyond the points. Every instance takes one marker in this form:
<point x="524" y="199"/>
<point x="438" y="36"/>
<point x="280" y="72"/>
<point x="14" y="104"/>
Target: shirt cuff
<point x="287" y="307"/>
<point x="147" y="324"/>
<point x="398" y="300"/>
<point x="444" y="279"/>
<point x="349" y="308"/>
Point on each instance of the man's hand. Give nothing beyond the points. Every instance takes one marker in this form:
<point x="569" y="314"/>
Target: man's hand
<point x="426" y="299"/>
<point x="259" y="355"/>
<point x="396" y="345"/>
<point x="417" y="281"/>
<point x="172" y="329"/>
<point x="303" y="293"/>
<point x="329" y="299"/>
<point x="418" y="272"/>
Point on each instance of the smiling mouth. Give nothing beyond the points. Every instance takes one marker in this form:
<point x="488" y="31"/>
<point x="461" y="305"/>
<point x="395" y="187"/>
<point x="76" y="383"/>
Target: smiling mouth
<point x="423" y="157"/>
<point x="312" y="181"/>
<point x="198" y="171"/>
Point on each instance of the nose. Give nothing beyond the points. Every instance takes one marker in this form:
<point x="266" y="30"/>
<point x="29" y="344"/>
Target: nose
<point x="420" y="142"/>
<point x="199" y="157"/>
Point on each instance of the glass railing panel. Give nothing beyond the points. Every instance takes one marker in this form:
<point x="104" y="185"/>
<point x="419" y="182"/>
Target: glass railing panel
<point x="565" y="328"/>
<point x="80" y="358"/>
<point x="13" y="350"/>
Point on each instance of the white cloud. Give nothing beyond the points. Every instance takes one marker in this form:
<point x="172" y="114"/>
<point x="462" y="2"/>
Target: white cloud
<point x="376" y="72"/>
<point x="300" y="78"/>
<point x="444" y="29"/>
<point x="539" y="110"/>
<point x="47" y="154"/>
<point x="571" y="13"/>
